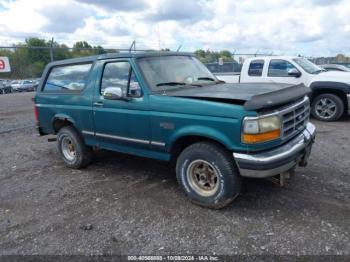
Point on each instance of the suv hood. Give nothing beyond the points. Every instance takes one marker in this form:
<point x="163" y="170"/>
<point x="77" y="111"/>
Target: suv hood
<point x="253" y="96"/>
<point x="333" y="76"/>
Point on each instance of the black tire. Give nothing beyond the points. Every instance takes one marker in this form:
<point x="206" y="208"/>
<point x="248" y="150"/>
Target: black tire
<point x="81" y="154"/>
<point x="338" y="106"/>
<point x="221" y="162"/>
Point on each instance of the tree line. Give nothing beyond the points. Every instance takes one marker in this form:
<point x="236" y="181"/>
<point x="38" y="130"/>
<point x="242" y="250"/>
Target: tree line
<point x="28" y="59"/>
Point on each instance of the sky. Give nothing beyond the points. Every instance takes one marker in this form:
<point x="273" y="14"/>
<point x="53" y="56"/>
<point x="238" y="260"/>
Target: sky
<point x="306" y="27"/>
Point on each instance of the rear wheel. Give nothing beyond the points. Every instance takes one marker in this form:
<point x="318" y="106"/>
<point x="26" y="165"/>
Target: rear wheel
<point x="72" y="148"/>
<point x="208" y="176"/>
<point x="327" y="107"/>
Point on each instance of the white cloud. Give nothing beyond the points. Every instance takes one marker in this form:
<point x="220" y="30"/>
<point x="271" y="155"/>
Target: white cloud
<point x="317" y="27"/>
<point x="129" y="5"/>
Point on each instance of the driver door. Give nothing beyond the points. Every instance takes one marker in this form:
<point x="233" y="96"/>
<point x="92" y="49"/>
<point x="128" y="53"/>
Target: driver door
<point x="121" y="123"/>
<point x="277" y="72"/>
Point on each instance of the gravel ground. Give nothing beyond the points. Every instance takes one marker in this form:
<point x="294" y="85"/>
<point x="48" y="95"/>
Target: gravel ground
<point x="123" y="204"/>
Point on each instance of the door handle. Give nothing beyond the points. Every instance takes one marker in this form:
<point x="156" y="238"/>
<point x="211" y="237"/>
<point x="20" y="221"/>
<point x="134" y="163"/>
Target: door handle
<point x="99" y="104"/>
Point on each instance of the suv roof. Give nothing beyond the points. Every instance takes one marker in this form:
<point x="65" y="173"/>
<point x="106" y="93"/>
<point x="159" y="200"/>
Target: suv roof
<point x="118" y="55"/>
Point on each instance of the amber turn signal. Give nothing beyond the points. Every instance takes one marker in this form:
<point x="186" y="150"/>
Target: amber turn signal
<point x="262" y="137"/>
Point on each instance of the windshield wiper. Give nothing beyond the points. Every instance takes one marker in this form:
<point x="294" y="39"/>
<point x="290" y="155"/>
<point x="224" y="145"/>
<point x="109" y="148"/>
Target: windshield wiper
<point x="318" y="71"/>
<point x="171" y="84"/>
<point x="206" y="78"/>
<point x="177" y="84"/>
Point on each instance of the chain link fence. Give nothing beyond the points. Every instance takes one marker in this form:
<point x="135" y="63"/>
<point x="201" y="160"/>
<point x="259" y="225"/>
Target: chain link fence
<point x="232" y="63"/>
<point x="28" y="62"/>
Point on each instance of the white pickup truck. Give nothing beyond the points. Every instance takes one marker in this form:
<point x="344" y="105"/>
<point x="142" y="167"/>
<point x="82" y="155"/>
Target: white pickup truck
<point x="330" y="96"/>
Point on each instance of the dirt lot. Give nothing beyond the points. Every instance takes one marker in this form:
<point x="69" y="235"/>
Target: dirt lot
<point x="128" y="205"/>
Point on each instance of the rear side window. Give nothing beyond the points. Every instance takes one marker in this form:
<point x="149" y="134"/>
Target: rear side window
<point x="256" y="68"/>
<point x="70" y="78"/>
<point x="279" y="68"/>
<point x="213" y="68"/>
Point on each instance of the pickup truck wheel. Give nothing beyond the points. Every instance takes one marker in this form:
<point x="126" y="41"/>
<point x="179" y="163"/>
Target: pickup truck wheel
<point x="208" y="176"/>
<point x="72" y="148"/>
<point x="327" y="107"/>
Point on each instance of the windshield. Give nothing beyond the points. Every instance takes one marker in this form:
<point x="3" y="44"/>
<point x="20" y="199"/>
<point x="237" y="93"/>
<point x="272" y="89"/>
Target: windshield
<point x="172" y="72"/>
<point x="308" y="66"/>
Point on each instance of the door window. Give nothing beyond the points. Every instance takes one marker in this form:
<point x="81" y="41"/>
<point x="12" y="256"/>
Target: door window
<point x="120" y="74"/>
<point x="279" y="68"/>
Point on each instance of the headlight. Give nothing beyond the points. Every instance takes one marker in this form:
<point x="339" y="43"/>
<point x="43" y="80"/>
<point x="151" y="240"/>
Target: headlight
<point x="258" y="130"/>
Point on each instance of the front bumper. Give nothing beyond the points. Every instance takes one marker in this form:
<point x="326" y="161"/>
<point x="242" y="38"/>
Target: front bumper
<point x="348" y="96"/>
<point x="278" y="160"/>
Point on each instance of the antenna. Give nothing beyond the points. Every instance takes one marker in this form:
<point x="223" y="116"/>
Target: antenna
<point x="158" y="35"/>
<point x="133" y="45"/>
<point x="233" y="54"/>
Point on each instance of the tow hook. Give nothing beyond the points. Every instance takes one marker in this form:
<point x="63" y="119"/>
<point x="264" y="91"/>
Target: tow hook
<point x="282" y="178"/>
<point x="303" y="160"/>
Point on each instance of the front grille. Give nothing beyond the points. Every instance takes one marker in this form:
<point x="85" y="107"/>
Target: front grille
<point x="294" y="118"/>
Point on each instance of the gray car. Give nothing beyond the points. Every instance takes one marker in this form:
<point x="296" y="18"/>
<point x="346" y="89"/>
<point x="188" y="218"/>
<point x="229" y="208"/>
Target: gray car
<point x="23" y="86"/>
<point x="5" y="86"/>
<point x="335" y="67"/>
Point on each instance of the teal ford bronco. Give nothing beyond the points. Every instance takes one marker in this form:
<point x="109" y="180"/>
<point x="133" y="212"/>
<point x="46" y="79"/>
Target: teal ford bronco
<point x="168" y="106"/>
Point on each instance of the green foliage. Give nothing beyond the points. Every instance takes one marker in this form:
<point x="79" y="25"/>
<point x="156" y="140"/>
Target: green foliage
<point x="35" y="55"/>
<point x="29" y="59"/>
<point x="212" y="56"/>
<point x="81" y="44"/>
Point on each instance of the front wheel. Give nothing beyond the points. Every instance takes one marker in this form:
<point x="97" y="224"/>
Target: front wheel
<point x="72" y="148"/>
<point x="327" y="107"/>
<point x="208" y="176"/>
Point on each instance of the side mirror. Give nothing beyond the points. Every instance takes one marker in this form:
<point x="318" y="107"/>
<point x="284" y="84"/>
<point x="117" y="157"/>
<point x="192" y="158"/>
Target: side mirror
<point x="113" y="93"/>
<point x="294" y="72"/>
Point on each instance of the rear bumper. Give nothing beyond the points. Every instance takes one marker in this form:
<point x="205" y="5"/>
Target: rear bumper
<point x="39" y="130"/>
<point x="278" y="160"/>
